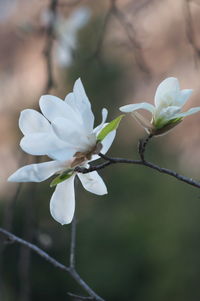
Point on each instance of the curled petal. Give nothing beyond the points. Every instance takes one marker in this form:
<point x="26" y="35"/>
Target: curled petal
<point x="137" y="106"/>
<point x="92" y="182"/>
<point x="104" y="113"/>
<point x="36" y="172"/>
<point x="107" y="142"/>
<point x="62" y="203"/>
<point x="167" y="91"/>
<point x="31" y="121"/>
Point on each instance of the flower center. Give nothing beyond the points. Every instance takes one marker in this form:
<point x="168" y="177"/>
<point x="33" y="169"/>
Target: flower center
<point x="81" y="157"/>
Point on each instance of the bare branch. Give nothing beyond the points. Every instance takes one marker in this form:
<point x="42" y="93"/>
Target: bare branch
<point x="13" y="238"/>
<point x="132" y="36"/>
<point x="130" y="32"/>
<point x="142" y="146"/>
<point x="111" y="160"/>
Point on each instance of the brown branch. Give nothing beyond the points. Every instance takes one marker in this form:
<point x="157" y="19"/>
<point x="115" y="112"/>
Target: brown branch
<point x="71" y="271"/>
<point x="142" y="146"/>
<point x="111" y="160"/>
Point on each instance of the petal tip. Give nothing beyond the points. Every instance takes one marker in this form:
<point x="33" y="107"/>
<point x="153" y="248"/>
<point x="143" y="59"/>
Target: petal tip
<point x="11" y="179"/>
<point x="125" y="109"/>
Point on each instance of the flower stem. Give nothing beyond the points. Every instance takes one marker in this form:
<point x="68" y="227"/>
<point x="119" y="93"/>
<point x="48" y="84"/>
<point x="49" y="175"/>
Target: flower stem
<point x="142" y="146"/>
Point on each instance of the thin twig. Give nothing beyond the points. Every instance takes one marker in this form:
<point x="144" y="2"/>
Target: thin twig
<point x="111" y="160"/>
<point x="34" y="248"/>
<point x="73" y="243"/>
<point x="132" y="36"/>
<point x="142" y="146"/>
<point x="77" y="297"/>
<point x="72" y="272"/>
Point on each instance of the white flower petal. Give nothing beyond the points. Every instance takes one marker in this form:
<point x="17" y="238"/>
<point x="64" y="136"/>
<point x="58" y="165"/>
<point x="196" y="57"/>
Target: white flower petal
<point x="189" y="112"/>
<point x="107" y="142"/>
<point x="167" y="91"/>
<point x="31" y="121"/>
<point x="70" y="100"/>
<point x="80" y="103"/>
<point x="70" y="132"/>
<point x="104" y="113"/>
<point x="168" y="112"/>
<point x="137" y="106"/>
<point x="45" y="144"/>
<point x="92" y="182"/>
<point x="36" y="172"/>
<point x="62" y="154"/>
<point x="184" y="95"/>
<point x="62" y="203"/>
<point x="53" y="107"/>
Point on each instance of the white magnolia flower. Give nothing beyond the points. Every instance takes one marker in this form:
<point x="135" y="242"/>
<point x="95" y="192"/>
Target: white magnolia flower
<point x="166" y="113"/>
<point x="64" y="133"/>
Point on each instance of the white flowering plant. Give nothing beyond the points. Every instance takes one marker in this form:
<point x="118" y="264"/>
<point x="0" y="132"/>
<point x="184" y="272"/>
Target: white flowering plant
<point x="166" y="114"/>
<point x="65" y="133"/>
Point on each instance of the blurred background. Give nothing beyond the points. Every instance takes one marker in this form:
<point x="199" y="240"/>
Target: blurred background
<point x="142" y="240"/>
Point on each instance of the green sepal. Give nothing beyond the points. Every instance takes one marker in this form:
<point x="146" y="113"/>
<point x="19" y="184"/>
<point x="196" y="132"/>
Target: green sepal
<point x="111" y="126"/>
<point x="160" y="124"/>
<point x="166" y="127"/>
<point x="62" y="177"/>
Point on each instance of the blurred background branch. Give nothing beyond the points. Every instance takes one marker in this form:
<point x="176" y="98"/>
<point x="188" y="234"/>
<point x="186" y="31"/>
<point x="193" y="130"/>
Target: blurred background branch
<point x="70" y="270"/>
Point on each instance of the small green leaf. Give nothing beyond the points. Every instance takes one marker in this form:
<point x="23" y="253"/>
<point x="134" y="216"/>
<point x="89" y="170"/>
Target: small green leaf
<point x="111" y="126"/>
<point x="62" y="177"/>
